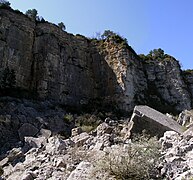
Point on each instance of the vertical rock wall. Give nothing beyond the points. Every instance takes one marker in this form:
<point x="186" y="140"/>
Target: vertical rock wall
<point x="166" y="86"/>
<point x="75" y="70"/>
<point x="16" y="45"/>
<point x="128" y="70"/>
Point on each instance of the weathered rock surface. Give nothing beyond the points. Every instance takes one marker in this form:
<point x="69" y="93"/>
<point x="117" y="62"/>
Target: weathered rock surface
<point x="20" y="118"/>
<point x="177" y="156"/>
<point x="81" y="172"/>
<point x="167" y="90"/>
<point x="58" y="66"/>
<point x="154" y="122"/>
<point x="57" y="158"/>
<point x="75" y="158"/>
<point x="186" y="118"/>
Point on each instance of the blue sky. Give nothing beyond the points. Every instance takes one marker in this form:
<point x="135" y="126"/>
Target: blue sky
<point x="147" y="24"/>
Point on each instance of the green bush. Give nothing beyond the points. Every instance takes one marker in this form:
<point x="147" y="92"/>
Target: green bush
<point x="87" y="122"/>
<point x="18" y="11"/>
<point x="62" y="26"/>
<point x="188" y="72"/>
<point x="4" y="6"/>
<point x="68" y="118"/>
<point x="136" y="160"/>
<point x="32" y="14"/>
<point x="1" y="171"/>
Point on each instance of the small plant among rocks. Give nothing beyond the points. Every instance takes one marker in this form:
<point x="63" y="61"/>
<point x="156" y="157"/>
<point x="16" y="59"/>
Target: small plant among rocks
<point x="137" y="160"/>
<point x="68" y="118"/>
<point x="1" y="171"/>
<point x="87" y="122"/>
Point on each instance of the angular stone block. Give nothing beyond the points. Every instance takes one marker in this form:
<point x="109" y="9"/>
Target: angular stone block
<point x="154" y="122"/>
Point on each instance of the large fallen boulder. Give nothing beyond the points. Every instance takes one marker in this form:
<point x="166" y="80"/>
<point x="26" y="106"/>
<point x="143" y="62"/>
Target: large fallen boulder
<point x="27" y="130"/>
<point x="153" y="122"/>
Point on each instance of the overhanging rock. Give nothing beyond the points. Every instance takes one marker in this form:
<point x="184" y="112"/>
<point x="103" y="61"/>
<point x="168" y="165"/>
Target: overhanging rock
<point x="154" y="122"/>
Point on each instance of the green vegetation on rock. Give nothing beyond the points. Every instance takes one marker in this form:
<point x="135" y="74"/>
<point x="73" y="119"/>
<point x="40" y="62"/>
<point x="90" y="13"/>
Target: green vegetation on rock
<point x="32" y="13"/>
<point x="188" y="72"/>
<point x="138" y="160"/>
<point x="62" y="26"/>
<point x="5" y="3"/>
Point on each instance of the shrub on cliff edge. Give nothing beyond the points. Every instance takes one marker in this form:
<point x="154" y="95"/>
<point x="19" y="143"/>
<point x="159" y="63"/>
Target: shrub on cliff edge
<point x="5" y="4"/>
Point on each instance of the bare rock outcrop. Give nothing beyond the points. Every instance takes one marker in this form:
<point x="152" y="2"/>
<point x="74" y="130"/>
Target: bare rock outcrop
<point x="90" y="155"/>
<point x="177" y="155"/>
<point x="185" y="118"/>
<point x="56" y="65"/>
<point x="16" y="42"/>
<point x="20" y="118"/>
<point x="167" y="90"/>
<point x="56" y="158"/>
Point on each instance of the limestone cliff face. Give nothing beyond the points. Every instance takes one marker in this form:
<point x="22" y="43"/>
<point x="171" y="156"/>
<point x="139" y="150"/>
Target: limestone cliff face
<point x="75" y="70"/>
<point x="62" y="68"/>
<point x="128" y="70"/>
<point x="16" y="45"/>
<point x="166" y="86"/>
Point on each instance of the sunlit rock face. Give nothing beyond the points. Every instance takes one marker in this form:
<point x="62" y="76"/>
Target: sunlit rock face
<point x="166" y="86"/>
<point x="76" y="71"/>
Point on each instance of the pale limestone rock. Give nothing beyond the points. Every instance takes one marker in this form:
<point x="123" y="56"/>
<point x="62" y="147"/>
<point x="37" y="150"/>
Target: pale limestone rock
<point x="35" y="142"/>
<point x="185" y="118"/>
<point x="188" y="77"/>
<point x="60" y="162"/>
<point x="76" y="131"/>
<point x="45" y="133"/>
<point x="4" y="161"/>
<point x="154" y="122"/>
<point x="54" y="63"/>
<point x="169" y="138"/>
<point x="166" y="84"/>
<point x="82" y="171"/>
<point x="188" y="133"/>
<point x="126" y="131"/>
<point x="177" y="156"/>
<point x="55" y="146"/>
<point x="27" y="176"/>
<point x="80" y="139"/>
<point x="14" y="154"/>
<point x="104" y="128"/>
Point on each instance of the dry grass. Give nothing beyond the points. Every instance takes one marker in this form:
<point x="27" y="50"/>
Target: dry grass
<point x="133" y="161"/>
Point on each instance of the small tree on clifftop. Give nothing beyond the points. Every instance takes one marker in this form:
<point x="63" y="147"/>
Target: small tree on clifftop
<point x="107" y="34"/>
<point x="157" y="53"/>
<point x="32" y="13"/>
<point x="62" y="26"/>
<point x="4" y="2"/>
